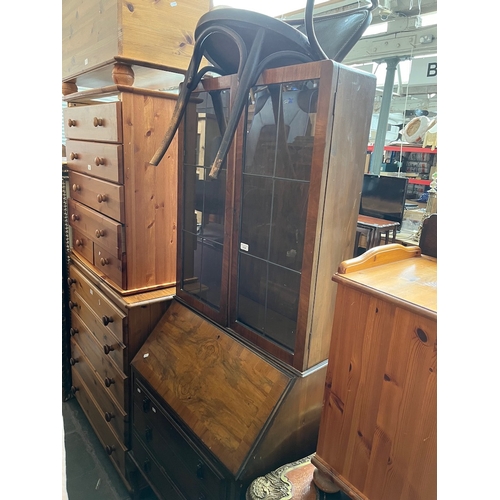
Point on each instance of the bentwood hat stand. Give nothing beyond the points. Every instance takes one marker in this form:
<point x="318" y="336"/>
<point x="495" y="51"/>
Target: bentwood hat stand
<point x="246" y="43"/>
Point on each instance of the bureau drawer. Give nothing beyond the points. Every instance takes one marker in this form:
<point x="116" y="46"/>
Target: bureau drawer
<point x="82" y="245"/>
<point x="96" y="122"/>
<point x="111" y="443"/>
<point x="99" y="228"/>
<point x="111" y="317"/>
<point x="96" y="159"/>
<point x="111" y="346"/>
<point x="102" y="196"/>
<point x="187" y="469"/>
<point x="111" y="266"/>
<point x="115" y="381"/>
<point x="162" y="486"/>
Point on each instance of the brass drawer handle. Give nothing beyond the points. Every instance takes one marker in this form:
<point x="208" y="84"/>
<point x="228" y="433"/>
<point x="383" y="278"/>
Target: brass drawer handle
<point x="75" y="187"/>
<point x="75" y="217"/>
<point x="99" y="161"/>
<point x="108" y="382"/>
<point x="99" y="233"/>
<point x="74" y="156"/>
<point x="98" y="122"/>
<point x="71" y="123"/>
<point x="101" y="198"/>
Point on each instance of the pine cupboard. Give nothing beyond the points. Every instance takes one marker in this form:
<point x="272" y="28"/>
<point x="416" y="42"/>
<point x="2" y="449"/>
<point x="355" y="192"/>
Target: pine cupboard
<point x="378" y="431"/>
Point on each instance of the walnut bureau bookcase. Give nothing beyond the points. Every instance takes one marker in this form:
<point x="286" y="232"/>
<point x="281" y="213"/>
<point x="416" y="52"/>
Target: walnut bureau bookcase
<point x="229" y="384"/>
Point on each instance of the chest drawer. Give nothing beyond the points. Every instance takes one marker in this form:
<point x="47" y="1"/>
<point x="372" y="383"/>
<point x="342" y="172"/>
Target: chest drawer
<point x="114" y="380"/>
<point x="111" y="317"/>
<point x="184" y="465"/>
<point x="84" y="317"/>
<point x="99" y="228"/>
<point x="163" y="487"/>
<point x="103" y="196"/>
<point x="108" y="438"/>
<point x="111" y="266"/>
<point x="100" y="392"/>
<point x="96" y="122"/>
<point x="83" y="245"/>
<point x="97" y="159"/>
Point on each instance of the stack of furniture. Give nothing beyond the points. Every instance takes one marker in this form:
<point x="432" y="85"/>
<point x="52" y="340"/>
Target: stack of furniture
<point x="122" y="211"/>
<point x="229" y="384"/>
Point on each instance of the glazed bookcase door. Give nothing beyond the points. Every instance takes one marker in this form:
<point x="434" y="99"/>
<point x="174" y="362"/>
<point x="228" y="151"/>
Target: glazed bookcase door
<point x="274" y="182"/>
<point x="203" y="275"/>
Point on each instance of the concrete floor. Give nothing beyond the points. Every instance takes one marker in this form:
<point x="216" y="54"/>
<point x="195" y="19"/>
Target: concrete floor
<point x="90" y="475"/>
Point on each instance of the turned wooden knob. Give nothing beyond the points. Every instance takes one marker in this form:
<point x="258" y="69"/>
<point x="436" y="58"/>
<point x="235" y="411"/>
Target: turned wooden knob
<point x="71" y="281"/>
<point x="108" y="416"/>
<point x="75" y="217"/>
<point x="110" y="449"/>
<point x="98" y="122"/>
<point x="69" y="87"/>
<point x="73" y="361"/>
<point x="79" y="243"/>
<point x="106" y="320"/>
<point x="72" y="304"/>
<point x="76" y="187"/>
<point x="71" y="123"/>
<point x="74" y="156"/>
<point x="101" y="198"/>
<point x="73" y="331"/>
<point x="108" y="382"/>
<point x="104" y="261"/>
<point x="98" y="161"/>
<point x="108" y="348"/>
<point x="74" y="389"/>
<point x="122" y="74"/>
<point x="99" y="233"/>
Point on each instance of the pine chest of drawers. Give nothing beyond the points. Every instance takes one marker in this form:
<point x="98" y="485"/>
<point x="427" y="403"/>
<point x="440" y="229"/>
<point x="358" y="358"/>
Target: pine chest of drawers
<point x="106" y="332"/>
<point x="122" y="210"/>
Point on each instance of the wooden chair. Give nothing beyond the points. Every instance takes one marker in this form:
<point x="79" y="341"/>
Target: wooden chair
<point x="428" y="236"/>
<point x="246" y="43"/>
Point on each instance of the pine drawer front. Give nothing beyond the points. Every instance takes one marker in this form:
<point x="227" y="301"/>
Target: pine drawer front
<point x="97" y="159"/>
<point x="163" y="487"/>
<point x="102" y="196"/>
<point x="109" y="265"/>
<point x="83" y="245"/>
<point x="114" y="379"/>
<point x="99" y="228"/>
<point x="111" y="316"/>
<point x="111" y="347"/>
<point x="113" y="413"/>
<point x="97" y="122"/>
<point x="108" y="438"/>
<point x="187" y="469"/>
